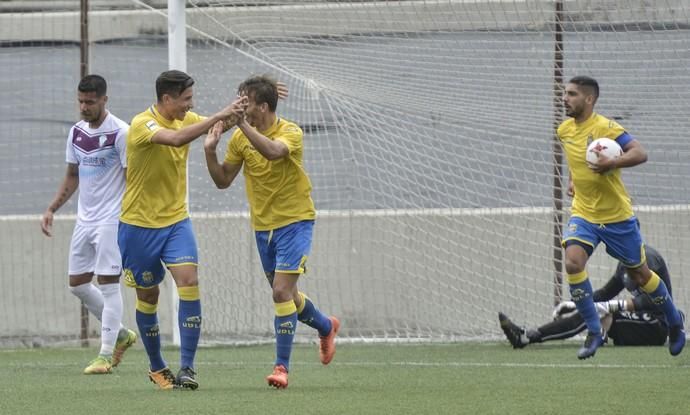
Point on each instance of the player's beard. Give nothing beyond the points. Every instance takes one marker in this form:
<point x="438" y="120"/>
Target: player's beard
<point x="572" y="112"/>
<point x="91" y="118"/>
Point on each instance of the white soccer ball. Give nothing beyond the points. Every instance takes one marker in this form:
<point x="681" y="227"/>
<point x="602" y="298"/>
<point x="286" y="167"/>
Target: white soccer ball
<point x="606" y="146"/>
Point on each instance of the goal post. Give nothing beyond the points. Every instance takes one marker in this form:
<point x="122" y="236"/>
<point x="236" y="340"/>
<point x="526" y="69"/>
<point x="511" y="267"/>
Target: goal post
<point x="429" y="140"/>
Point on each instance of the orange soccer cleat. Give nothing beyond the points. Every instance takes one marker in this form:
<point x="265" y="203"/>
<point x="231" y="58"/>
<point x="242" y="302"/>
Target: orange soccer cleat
<point x="327" y="345"/>
<point x="279" y="378"/>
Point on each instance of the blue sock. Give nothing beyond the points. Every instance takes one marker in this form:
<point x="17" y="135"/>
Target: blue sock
<point x="285" y="323"/>
<point x="189" y="320"/>
<point x="147" y="321"/>
<point x="658" y="291"/>
<point x="581" y="293"/>
<point x="312" y="317"/>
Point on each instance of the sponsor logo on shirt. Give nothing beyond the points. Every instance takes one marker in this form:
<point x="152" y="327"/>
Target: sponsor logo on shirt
<point x="93" y="161"/>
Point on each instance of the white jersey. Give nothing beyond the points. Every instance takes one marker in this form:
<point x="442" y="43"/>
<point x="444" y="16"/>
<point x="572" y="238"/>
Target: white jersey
<point x="102" y="158"/>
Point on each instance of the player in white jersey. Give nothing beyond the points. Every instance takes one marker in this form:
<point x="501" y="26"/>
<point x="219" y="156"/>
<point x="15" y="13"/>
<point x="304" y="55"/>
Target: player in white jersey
<point x="96" y="162"/>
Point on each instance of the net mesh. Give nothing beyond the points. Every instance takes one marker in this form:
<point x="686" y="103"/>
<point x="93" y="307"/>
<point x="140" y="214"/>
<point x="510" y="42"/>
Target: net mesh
<point x="428" y="138"/>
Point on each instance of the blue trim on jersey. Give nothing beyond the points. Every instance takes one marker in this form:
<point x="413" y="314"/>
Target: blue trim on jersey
<point x="284" y="249"/>
<point x="145" y="250"/>
<point x="623" y="240"/>
<point x="624" y="139"/>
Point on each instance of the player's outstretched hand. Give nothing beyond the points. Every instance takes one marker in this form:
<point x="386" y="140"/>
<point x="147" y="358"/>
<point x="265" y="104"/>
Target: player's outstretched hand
<point x="564" y="309"/>
<point x="282" y="90"/>
<point x="213" y="136"/>
<point x="235" y="112"/>
<point x="604" y="164"/>
<point x="47" y="223"/>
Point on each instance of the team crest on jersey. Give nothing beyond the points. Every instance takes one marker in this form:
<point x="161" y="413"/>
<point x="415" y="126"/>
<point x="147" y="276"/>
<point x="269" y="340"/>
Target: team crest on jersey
<point x="101" y="140"/>
<point x="590" y="138"/>
<point x="151" y="125"/>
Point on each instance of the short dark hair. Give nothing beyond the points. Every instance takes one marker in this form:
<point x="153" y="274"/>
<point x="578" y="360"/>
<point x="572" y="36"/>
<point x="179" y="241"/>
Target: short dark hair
<point x="172" y="83"/>
<point x="587" y="82"/>
<point x="263" y="88"/>
<point x="93" y="83"/>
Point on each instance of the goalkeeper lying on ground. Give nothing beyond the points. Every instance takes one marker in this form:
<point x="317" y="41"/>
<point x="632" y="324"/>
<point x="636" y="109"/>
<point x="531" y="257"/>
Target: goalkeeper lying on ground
<point x="634" y="321"/>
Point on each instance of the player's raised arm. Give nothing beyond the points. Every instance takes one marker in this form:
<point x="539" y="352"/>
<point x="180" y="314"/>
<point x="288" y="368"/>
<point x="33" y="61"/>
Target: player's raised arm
<point x="178" y="138"/>
<point x="270" y="149"/>
<point x="170" y="121"/>
<point x="67" y="188"/>
<point x="222" y="175"/>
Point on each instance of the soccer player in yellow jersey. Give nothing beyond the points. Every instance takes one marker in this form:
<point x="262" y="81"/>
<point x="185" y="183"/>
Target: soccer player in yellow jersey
<point x="155" y="228"/>
<point x="282" y="212"/>
<point x="602" y="212"/>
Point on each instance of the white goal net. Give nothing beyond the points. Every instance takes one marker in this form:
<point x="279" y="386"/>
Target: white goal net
<point x="429" y="138"/>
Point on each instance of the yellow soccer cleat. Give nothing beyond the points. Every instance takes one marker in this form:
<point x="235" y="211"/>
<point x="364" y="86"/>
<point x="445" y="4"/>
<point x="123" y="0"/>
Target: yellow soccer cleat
<point x="99" y="366"/>
<point x="164" y="378"/>
<point x="122" y="345"/>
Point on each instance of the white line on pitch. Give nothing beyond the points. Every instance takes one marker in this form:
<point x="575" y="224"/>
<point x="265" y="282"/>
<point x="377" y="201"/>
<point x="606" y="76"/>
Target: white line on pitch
<point x="241" y="364"/>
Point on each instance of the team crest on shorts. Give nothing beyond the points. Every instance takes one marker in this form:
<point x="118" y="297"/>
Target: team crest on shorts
<point x="147" y="277"/>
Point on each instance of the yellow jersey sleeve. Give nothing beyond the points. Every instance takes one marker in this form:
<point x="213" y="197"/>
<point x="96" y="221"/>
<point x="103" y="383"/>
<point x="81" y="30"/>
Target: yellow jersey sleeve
<point x="614" y="130"/>
<point x="233" y="155"/>
<point x="291" y="135"/>
<point x="144" y="126"/>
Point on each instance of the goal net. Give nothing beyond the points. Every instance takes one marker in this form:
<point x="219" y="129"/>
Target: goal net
<point x="429" y="138"/>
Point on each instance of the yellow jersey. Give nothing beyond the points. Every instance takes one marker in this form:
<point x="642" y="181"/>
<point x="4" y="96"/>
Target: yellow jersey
<point x="598" y="198"/>
<point x="278" y="191"/>
<point x="156" y="192"/>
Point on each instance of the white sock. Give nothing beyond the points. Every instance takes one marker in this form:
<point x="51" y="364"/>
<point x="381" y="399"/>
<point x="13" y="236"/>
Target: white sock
<point x="112" y="317"/>
<point x="91" y="297"/>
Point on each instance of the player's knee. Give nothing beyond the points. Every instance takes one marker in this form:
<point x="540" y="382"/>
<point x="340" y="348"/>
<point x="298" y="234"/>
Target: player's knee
<point x="80" y="291"/>
<point x="108" y="279"/>
<point x="574" y="266"/>
<point x="281" y="294"/>
<point x="80" y="279"/>
<point x="149" y="295"/>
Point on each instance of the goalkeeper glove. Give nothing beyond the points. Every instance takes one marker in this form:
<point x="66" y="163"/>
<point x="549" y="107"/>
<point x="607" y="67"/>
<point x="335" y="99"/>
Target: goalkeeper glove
<point x="564" y="309"/>
<point x="602" y="308"/>
<point x="614" y="305"/>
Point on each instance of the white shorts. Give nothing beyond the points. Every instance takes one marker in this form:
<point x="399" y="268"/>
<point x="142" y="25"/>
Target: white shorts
<point x="94" y="249"/>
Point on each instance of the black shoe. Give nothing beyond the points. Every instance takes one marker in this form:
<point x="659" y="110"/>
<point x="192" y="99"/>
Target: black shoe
<point x="186" y="378"/>
<point x="516" y="335"/>
<point x="592" y="343"/>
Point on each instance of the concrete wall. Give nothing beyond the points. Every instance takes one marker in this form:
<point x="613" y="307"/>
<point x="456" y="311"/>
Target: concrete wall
<point x="440" y="274"/>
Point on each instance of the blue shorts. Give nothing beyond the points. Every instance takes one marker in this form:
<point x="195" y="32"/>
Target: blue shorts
<point x="285" y="249"/>
<point x="623" y="240"/>
<point x="145" y="250"/>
